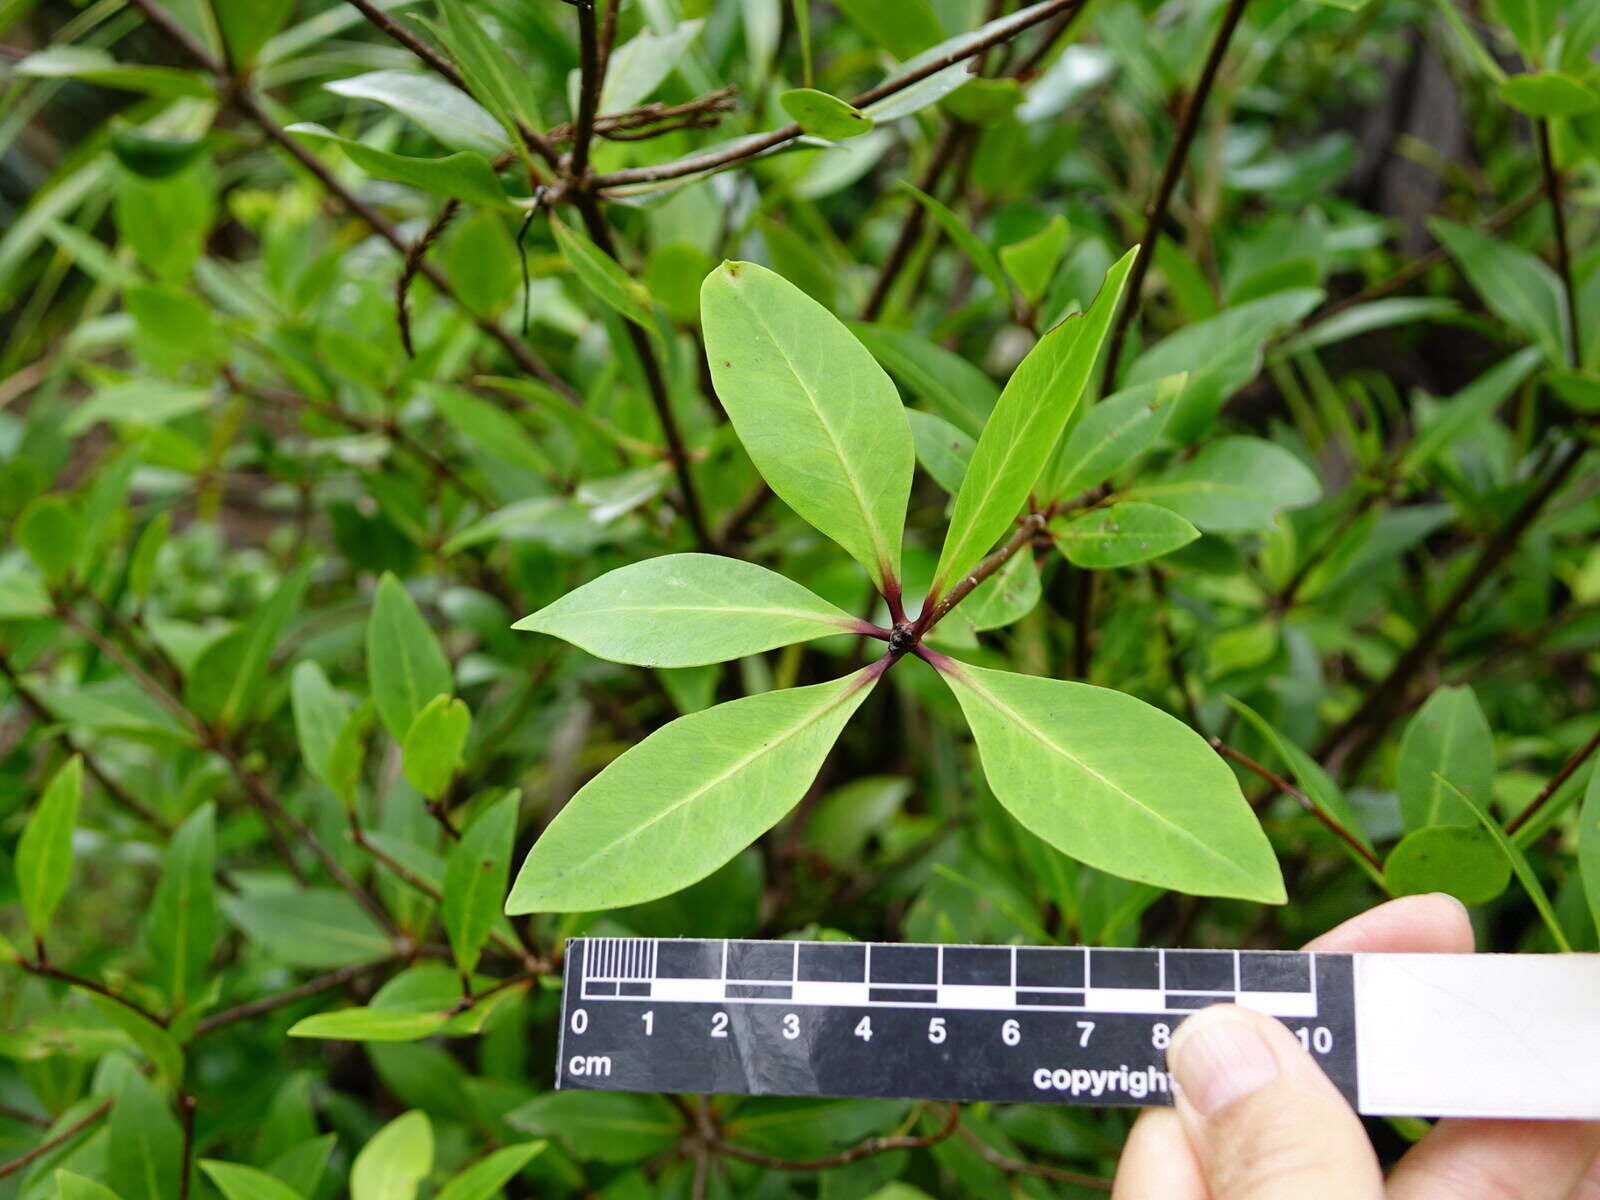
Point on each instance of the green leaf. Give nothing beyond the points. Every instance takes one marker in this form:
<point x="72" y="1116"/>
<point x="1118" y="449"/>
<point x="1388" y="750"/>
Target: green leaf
<point x="1121" y="535"/>
<point x="491" y="429"/>
<point x="44" y="851"/>
<point x="903" y="28"/>
<point x="76" y="1187"/>
<point x="238" y="1182"/>
<point x="1234" y="485"/>
<point x="319" y="716"/>
<point x="247" y="25"/>
<point x="1519" y="865"/>
<point x="395" y="1162"/>
<point x="943" y="450"/>
<point x="475" y="878"/>
<point x="1589" y="844"/>
<point x="817" y="415"/>
<point x="1450" y="736"/>
<point x="465" y="175"/>
<point x="49" y="529"/>
<point x="1023" y="429"/>
<point x="685" y="800"/>
<point x="489" y="71"/>
<point x="642" y="64"/>
<point x="686" y="610"/>
<point x="435" y="743"/>
<point x="181" y="924"/>
<point x="1363" y="318"/>
<point x="1520" y="288"/>
<point x="847" y="818"/>
<point x="484" y="1178"/>
<point x="404" y="662"/>
<point x="1467" y="407"/>
<point x="965" y="240"/>
<point x="451" y="116"/>
<point x="225" y="685"/>
<point x="1111" y="435"/>
<point x="370" y="1025"/>
<point x="1007" y="596"/>
<point x="960" y="392"/>
<point x="610" y="1127"/>
<point x="603" y="275"/>
<point x="1461" y="860"/>
<point x="1115" y="783"/>
<point x="1550" y="95"/>
<point x="94" y="65"/>
<point x="311" y="927"/>
<point x="153" y="155"/>
<point x="1032" y="262"/>
<point x="144" y="1153"/>
<point x="824" y="116"/>
<point x="156" y="1043"/>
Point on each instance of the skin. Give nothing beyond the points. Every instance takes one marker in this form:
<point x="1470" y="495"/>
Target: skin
<point x="1285" y="1133"/>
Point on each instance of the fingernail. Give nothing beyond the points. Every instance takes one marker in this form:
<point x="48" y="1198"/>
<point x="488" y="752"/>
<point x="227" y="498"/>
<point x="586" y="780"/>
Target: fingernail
<point x="1218" y="1057"/>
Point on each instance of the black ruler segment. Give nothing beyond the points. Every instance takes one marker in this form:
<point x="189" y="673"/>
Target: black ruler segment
<point x="1065" y="1025"/>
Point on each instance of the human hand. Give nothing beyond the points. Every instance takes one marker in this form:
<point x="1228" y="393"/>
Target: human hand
<point x="1256" y="1119"/>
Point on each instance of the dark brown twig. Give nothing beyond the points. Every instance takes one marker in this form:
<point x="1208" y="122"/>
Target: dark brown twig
<point x="1016" y="1166"/>
<point x="1566" y="772"/>
<point x="312" y="987"/>
<point x="1171" y="171"/>
<point x="93" y="1116"/>
<point x="1558" y="217"/>
<point x="866" y="1149"/>
<point x="1332" y="823"/>
<point x="591" y="73"/>
<point x="413" y="263"/>
<point x="45" y="970"/>
<point x="750" y="148"/>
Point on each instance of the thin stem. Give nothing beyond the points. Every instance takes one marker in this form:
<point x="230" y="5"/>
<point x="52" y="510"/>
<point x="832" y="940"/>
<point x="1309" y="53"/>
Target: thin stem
<point x="93" y="1116"/>
<point x="312" y="987"/>
<point x="1558" y="216"/>
<point x="1377" y="709"/>
<point x="655" y="380"/>
<point x="1029" y="528"/>
<point x="591" y="75"/>
<point x="1016" y="1166"/>
<point x="46" y="971"/>
<point x="413" y="263"/>
<point x="866" y="1149"/>
<point x="1171" y="171"/>
<point x="186" y="1106"/>
<point x="1550" y="789"/>
<point x="1332" y="823"/>
<point x="750" y="148"/>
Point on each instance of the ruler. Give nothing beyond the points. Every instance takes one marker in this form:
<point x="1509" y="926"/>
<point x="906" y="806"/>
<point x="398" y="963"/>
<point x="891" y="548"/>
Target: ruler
<point x="1483" y="1035"/>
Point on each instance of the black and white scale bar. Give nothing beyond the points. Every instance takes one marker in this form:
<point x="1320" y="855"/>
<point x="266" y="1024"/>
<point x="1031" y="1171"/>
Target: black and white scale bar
<point x="1400" y="1034"/>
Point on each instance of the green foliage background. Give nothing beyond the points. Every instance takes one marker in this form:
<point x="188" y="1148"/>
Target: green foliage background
<point x="339" y="337"/>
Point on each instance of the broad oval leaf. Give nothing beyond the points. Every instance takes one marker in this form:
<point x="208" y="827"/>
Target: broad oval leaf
<point x="1234" y="485"/>
<point x="1550" y="94"/>
<point x="816" y="413"/>
<point x="395" y="1162"/>
<point x="1111" y="435"/>
<point x="1461" y="860"/>
<point x="44" y="851"/>
<point x="687" y="610"/>
<point x="685" y="800"/>
<point x="1023" y="429"/>
<point x="434" y="744"/>
<point x="942" y="449"/>
<point x="823" y="115"/>
<point x="313" y="927"/>
<point x="1448" y="736"/>
<point x="1122" y="534"/>
<point x="1115" y="783"/>
<point x="406" y="665"/>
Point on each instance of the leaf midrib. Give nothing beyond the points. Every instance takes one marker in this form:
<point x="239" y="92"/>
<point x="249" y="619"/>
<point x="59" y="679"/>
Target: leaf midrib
<point x="764" y="749"/>
<point x="968" y="680"/>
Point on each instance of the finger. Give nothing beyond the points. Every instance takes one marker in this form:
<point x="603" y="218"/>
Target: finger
<point x="1589" y="1189"/>
<point x="1157" y="1163"/>
<point x="1498" y="1160"/>
<point x="1429" y="924"/>
<point x="1264" y="1121"/>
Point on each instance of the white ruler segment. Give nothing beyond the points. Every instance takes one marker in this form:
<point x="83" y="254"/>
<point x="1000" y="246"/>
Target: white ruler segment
<point x="1470" y="1035"/>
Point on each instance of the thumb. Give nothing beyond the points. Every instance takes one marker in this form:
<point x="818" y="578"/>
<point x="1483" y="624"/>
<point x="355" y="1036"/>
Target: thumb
<point x="1264" y="1121"/>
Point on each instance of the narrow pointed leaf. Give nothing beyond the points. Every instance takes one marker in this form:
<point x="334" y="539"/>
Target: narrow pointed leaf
<point x="1023" y="429"/>
<point x="816" y="413"/>
<point x="602" y="275"/>
<point x="687" y="610"/>
<point x="238" y="1182"/>
<point x="182" y="923"/>
<point x="1589" y="844"/>
<point x="484" y="1178"/>
<point x="1115" y="783"/>
<point x="1110" y="436"/>
<point x="1234" y="485"/>
<point x="144" y="1153"/>
<point x="44" y="852"/>
<point x="465" y="175"/>
<point x="685" y="800"/>
<point x="370" y="1025"/>
<point x="406" y="665"/>
<point x="475" y="878"/>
